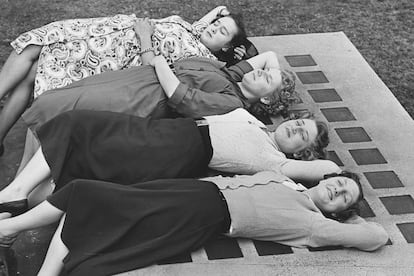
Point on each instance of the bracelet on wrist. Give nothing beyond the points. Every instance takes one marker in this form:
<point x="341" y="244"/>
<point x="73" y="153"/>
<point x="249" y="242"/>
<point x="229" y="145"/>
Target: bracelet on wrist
<point x="146" y="50"/>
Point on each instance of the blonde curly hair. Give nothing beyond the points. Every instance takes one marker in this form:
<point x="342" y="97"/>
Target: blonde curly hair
<point x="280" y="100"/>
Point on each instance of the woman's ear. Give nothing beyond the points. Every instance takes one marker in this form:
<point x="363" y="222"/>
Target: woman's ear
<point x="305" y="155"/>
<point x="265" y="100"/>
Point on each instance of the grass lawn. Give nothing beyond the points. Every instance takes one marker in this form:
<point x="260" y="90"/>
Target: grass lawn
<point x="382" y="30"/>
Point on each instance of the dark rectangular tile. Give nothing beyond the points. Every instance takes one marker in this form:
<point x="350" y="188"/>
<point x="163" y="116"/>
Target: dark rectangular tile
<point x="312" y="77"/>
<point x="353" y="135"/>
<point x="365" y="209"/>
<point x="383" y="179"/>
<point x="367" y="156"/>
<point x="397" y="205"/>
<point x="335" y="158"/>
<point x="178" y="259"/>
<point x="407" y="230"/>
<point x="324" y="95"/>
<point x="300" y="60"/>
<point x="223" y="248"/>
<point x="265" y="248"/>
<point x="324" y="248"/>
<point x="338" y="114"/>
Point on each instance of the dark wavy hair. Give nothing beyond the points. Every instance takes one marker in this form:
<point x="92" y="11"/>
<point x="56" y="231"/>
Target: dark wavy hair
<point x="317" y="150"/>
<point x="354" y="208"/>
<point x="241" y="35"/>
<point x="240" y="39"/>
<point x="280" y="100"/>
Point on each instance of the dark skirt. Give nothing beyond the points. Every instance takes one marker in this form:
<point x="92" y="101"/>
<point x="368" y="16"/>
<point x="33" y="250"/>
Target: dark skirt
<point x="124" y="149"/>
<point x="110" y="228"/>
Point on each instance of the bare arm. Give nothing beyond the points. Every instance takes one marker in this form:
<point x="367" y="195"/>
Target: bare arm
<point x="214" y="13"/>
<point x="169" y="82"/>
<point x="264" y="60"/>
<point x="357" y="232"/>
<point x="144" y="28"/>
<point x="308" y="170"/>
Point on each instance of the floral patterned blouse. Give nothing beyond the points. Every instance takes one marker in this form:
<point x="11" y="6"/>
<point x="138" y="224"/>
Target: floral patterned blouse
<point x="77" y="48"/>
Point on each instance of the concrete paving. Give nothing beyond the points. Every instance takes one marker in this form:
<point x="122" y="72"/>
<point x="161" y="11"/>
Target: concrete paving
<point x="371" y="134"/>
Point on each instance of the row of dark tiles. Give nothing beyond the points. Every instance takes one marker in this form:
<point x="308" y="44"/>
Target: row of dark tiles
<point x="395" y="205"/>
<point x="225" y="248"/>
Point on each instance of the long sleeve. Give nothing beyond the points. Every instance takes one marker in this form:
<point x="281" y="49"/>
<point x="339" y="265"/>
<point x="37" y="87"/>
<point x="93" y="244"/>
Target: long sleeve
<point x="193" y="102"/>
<point x="208" y="88"/>
<point x="367" y="236"/>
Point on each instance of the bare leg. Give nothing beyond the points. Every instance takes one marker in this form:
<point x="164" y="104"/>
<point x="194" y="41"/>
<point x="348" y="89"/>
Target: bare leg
<point x="30" y="177"/>
<point x="17" y="67"/>
<point x="17" y="102"/>
<point x="41" y="215"/>
<point x="53" y="262"/>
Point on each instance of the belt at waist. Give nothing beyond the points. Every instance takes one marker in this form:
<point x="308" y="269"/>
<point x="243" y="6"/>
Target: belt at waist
<point x="201" y="122"/>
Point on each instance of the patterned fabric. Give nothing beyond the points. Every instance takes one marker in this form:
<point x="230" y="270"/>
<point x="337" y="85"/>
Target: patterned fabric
<point x="77" y="48"/>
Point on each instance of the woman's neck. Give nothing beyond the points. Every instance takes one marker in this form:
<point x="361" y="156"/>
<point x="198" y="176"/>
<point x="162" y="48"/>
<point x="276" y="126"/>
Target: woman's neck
<point x="272" y="137"/>
<point x="311" y="193"/>
<point x="246" y="93"/>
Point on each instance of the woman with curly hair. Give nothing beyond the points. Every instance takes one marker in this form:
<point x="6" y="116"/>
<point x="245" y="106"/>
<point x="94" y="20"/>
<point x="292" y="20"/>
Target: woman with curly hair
<point x="125" y="149"/>
<point x="193" y="87"/>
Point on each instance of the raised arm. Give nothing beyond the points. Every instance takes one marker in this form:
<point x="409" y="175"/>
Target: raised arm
<point x="215" y="13"/>
<point x="308" y="170"/>
<point x="144" y="28"/>
<point x="357" y="233"/>
<point x="264" y="60"/>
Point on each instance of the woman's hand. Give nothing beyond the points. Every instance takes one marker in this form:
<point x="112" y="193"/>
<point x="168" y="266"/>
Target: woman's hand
<point x="222" y="11"/>
<point x="157" y="60"/>
<point x="144" y="27"/>
<point x="215" y="13"/>
<point x="239" y="52"/>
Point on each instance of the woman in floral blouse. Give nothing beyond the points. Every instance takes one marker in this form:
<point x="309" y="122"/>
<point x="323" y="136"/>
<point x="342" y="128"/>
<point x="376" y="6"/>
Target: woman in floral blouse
<point x="59" y="53"/>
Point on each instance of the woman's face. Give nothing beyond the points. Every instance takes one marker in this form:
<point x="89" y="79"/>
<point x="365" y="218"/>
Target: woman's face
<point x="295" y="135"/>
<point x="260" y="83"/>
<point x="219" y="34"/>
<point x="335" y="194"/>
